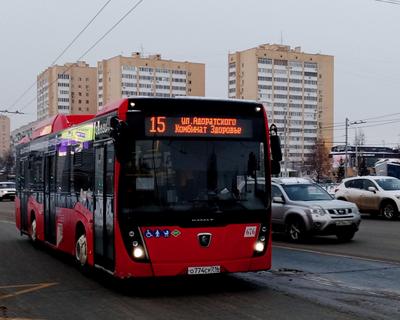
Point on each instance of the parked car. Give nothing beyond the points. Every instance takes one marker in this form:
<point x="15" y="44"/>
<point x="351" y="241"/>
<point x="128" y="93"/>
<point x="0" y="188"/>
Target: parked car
<point x="373" y="194"/>
<point x="330" y="187"/>
<point x="7" y="190"/>
<point x="302" y="208"/>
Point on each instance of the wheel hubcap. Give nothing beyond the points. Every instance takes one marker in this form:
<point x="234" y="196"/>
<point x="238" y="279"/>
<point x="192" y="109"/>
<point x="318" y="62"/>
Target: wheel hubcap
<point x="294" y="232"/>
<point x="388" y="212"/>
<point x="81" y="250"/>
<point x="33" y="230"/>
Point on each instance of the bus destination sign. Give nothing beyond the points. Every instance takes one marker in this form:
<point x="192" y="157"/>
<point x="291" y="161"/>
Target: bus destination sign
<point x="189" y="126"/>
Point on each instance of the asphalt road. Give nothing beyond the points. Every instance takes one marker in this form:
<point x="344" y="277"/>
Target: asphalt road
<point x="39" y="284"/>
<point x="377" y="239"/>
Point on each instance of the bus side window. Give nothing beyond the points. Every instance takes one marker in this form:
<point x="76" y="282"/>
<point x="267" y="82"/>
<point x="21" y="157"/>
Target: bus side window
<point x="83" y="169"/>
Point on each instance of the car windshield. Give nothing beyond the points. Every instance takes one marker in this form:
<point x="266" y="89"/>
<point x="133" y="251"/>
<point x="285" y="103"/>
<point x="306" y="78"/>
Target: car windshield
<point x="306" y="192"/>
<point x="389" y="183"/>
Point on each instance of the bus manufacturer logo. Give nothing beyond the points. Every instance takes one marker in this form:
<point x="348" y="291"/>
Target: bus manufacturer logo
<point x="204" y="239"/>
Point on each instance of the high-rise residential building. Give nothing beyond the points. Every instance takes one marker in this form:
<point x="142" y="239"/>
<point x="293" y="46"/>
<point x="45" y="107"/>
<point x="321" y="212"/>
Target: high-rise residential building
<point x="67" y="89"/>
<point x="4" y="135"/>
<point x="122" y="77"/>
<point x="297" y="90"/>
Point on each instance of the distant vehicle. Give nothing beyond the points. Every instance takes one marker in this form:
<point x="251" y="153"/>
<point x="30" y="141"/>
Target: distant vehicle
<point x="330" y="187"/>
<point x="374" y="194"/>
<point x="301" y="208"/>
<point x="7" y="191"/>
<point x="388" y="167"/>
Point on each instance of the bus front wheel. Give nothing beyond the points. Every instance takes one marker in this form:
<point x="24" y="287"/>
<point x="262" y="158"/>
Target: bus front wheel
<point x="81" y="250"/>
<point x="33" y="234"/>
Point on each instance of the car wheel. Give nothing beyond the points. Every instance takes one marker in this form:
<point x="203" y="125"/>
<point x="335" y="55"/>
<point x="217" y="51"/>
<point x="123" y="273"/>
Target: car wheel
<point x="81" y="250"/>
<point x="345" y="236"/>
<point x="389" y="211"/>
<point x="295" y="230"/>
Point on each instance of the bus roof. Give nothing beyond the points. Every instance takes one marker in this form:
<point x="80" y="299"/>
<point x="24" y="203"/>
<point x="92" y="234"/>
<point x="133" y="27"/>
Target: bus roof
<point x="57" y="123"/>
<point x="114" y="106"/>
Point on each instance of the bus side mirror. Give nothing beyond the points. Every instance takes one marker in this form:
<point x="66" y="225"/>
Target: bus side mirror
<point x="119" y="133"/>
<point x="276" y="151"/>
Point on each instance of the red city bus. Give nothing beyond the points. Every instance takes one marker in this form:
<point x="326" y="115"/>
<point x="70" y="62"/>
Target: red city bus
<point x="152" y="187"/>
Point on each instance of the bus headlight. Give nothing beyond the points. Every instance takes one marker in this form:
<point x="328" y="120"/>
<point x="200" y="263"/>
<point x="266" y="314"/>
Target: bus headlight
<point x="138" y="252"/>
<point x="259" y="247"/>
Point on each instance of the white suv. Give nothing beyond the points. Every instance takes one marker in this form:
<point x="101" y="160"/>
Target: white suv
<point x="374" y="194"/>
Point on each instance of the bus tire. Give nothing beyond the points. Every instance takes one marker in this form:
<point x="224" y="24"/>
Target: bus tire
<point x="33" y="230"/>
<point x="81" y="249"/>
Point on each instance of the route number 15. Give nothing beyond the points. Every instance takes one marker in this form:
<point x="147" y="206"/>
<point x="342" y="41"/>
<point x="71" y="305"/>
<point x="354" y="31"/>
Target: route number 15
<point x="157" y="125"/>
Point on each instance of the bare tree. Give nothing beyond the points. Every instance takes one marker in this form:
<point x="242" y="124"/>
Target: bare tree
<point x="318" y="161"/>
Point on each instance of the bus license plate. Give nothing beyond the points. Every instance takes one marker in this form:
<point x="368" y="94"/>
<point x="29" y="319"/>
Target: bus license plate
<point x="204" y="270"/>
<point x="343" y="223"/>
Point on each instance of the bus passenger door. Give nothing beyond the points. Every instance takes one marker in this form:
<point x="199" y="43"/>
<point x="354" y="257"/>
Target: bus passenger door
<point x="49" y="199"/>
<point x="104" y="209"/>
<point x="23" y="184"/>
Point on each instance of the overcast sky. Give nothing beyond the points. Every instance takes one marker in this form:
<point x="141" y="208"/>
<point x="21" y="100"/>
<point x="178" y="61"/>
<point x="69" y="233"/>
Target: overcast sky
<point x="362" y="35"/>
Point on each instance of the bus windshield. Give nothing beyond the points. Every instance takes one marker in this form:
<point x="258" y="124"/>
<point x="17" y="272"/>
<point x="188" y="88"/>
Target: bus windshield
<point x="194" y="175"/>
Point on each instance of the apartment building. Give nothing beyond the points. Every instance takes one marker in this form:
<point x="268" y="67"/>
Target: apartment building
<point x="122" y="77"/>
<point x="67" y="89"/>
<point x="4" y="135"/>
<point x="297" y="90"/>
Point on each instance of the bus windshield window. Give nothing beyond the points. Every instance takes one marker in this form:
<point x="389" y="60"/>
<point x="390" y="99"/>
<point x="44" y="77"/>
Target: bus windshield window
<point x="194" y="175"/>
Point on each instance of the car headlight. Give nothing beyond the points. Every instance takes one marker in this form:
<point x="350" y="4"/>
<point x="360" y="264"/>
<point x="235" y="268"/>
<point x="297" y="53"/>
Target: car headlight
<point x="317" y="210"/>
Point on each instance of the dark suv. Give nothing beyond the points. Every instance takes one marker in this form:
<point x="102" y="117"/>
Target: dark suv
<point x="301" y="208"/>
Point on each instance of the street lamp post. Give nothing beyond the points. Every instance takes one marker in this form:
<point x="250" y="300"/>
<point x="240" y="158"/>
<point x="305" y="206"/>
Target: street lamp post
<point x="348" y="123"/>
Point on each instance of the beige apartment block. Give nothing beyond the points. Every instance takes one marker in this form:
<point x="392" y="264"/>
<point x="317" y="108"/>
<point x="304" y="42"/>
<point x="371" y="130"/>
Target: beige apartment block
<point x="297" y="90"/>
<point x="68" y="89"/>
<point x="122" y="77"/>
<point x="4" y="135"/>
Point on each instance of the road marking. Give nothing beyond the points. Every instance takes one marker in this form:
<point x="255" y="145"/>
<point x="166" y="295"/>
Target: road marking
<point x="338" y="255"/>
<point x="30" y="288"/>
<point x="6" y="221"/>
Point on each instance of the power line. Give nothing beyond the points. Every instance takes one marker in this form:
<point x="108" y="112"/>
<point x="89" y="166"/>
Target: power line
<point x="389" y="1"/>
<point x="15" y="112"/>
<point x="80" y="33"/>
<point x="62" y="52"/>
<point x="93" y="46"/>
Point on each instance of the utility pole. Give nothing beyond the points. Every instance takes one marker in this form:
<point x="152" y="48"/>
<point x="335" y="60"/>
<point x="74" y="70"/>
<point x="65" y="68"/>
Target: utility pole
<point x="348" y="123"/>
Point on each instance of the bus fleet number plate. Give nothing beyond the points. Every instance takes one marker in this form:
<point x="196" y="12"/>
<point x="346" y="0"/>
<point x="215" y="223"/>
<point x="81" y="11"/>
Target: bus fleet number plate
<point x="204" y="270"/>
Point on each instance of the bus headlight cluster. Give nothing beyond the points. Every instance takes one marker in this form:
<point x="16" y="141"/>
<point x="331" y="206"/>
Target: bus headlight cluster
<point x="138" y="249"/>
<point x="261" y="243"/>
